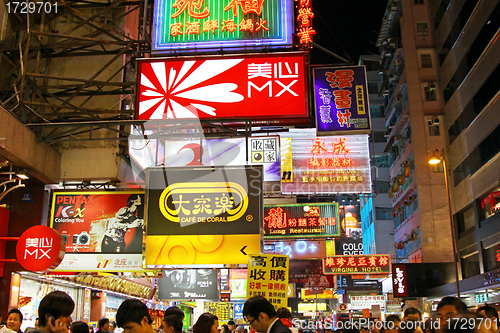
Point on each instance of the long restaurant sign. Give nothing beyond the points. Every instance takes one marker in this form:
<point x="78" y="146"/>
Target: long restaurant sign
<point x="259" y="87"/>
<point x="191" y="25"/>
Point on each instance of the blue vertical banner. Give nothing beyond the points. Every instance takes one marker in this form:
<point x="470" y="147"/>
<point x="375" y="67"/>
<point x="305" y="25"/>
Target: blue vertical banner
<point x="341" y="100"/>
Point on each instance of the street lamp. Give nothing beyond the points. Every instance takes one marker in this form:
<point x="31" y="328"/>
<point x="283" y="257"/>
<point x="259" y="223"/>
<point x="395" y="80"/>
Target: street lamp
<point x="436" y="158"/>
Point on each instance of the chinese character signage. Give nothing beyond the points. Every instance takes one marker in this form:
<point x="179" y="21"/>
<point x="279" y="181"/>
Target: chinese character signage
<point x="301" y="249"/>
<point x="400" y="285"/>
<point x="193" y="25"/>
<point x="40" y="248"/>
<point x="366" y="302"/>
<point x="301" y="220"/>
<point x="260" y="87"/>
<point x="94" y="223"/>
<point x="304" y="29"/>
<point x="309" y="274"/>
<point x="268" y="277"/>
<point x="222" y="310"/>
<point x="211" y="215"/>
<point x="188" y="284"/>
<point x="341" y="100"/>
<point x="357" y="264"/>
<point x="330" y="164"/>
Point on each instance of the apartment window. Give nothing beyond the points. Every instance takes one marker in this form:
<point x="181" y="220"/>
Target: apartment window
<point x="379" y="136"/>
<point x="377" y="111"/>
<point x="489" y="204"/>
<point x="422" y="29"/>
<point x="490" y="257"/>
<point x="372" y="88"/>
<point x="465" y="220"/>
<point x="426" y="60"/>
<point x="382" y="186"/>
<point x="433" y="127"/>
<point x="470" y="265"/>
<point x="381" y="161"/>
<point x="383" y="213"/>
<point x="430" y="91"/>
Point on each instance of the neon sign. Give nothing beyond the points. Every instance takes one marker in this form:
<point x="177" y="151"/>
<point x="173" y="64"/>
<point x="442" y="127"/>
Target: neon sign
<point x="357" y="264"/>
<point x="188" y="25"/>
<point x="304" y="29"/>
<point x="301" y="249"/>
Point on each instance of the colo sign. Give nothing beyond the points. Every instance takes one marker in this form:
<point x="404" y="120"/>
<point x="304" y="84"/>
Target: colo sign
<point x="357" y="264"/>
<point x="341" y="100"/>
<point x="332" y="164"/>
<point x="301" y="220"/>
<point x="194" y="25"/>
<point x="203" y="215"/>
<point x="260" y="87"/>
<point x="102" y="230"/>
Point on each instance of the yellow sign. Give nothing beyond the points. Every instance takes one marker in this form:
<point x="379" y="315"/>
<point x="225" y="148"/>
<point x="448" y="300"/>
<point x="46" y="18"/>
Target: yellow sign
<point x="286" y="160"/>
<point x="268" y="277"/>
<point x="200" y="249"/>
<point x="361" y="99"/>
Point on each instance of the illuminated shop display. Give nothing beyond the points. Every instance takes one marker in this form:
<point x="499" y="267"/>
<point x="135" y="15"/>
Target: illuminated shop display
<point x="330" y="164"/>
<point x="341" y="100"/>
<point x="260" y="87"/>
<point x="301" y="249"/>
<point x="203" y="216"/>
<point x="357" y="264"/>
<point x="304" y="29"/>
<point x="301" y="220"/>
<point x="191" y="25"/>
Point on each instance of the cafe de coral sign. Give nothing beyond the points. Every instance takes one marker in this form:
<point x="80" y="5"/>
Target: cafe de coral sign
<point x="190" y="25"/>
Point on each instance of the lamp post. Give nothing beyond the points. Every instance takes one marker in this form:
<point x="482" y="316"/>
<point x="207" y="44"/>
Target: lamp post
<point x="436" y="158"/>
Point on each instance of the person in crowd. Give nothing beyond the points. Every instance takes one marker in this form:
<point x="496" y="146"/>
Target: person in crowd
<point x="207" y="323"/>
<point x="261" y="315"/>
<point x="112" y="326"/>
<point x="91" y="329"/>
<point x="14" y="320"/>
<point x="172" y="323"/>
<point x="224" y="329"/>
<point x="431" y="324"/>
<point x="239" y="329"/>
<point x="411" y="326"/>
<point x="466" y="322"/>
<point x="174" y="310"/>
<point x="79" y="327"/>
<point x="412" y="313"/>
<point x="133" y="316"/>
<point x="391" y="324"/>
<point x="286" y="318"/>
<point x="490" y="313"/>
<point x="54" y="313"/>
<point x="232" y="326"/>
<point x="448" y="307"/>
<point x="103" y="325"/>
<point x="364" y="330"/>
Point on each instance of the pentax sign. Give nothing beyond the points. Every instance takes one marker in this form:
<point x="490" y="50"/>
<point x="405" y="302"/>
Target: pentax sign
<point x="357" y="264"/>
<point x="341" y="100"/>
<point x="257" y="87"/>
<point x="196" y="25"/>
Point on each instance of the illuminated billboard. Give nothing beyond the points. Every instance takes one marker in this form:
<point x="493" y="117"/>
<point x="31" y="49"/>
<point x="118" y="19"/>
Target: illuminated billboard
<point x="257" y="87"/>
<point x="357" y="264"/>
<point x="301" y="220"/>
<point x="103" y="230"/>
<point x="203" y="215"/>
<point x="329" y="164"/>
<point x="193" y="26"/>
<point x="341" y="100"/>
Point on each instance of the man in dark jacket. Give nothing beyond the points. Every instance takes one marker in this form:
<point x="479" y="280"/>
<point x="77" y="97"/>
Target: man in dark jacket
<point x="54" y="313"/>
<point x="103" y="325"/>
<point x="261" y="316"/>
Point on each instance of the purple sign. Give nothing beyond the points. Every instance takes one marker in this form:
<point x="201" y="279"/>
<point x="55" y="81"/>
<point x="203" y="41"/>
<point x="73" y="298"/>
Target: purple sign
<point x="341" y="100"/>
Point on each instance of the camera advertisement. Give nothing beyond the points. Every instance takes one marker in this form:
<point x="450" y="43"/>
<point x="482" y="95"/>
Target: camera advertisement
<point x="188" y="284"/>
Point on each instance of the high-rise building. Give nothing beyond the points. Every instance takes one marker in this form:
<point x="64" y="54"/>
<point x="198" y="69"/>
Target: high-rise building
<point x="440" y="69"/>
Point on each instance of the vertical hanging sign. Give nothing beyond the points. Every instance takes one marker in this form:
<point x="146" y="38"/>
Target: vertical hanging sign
<point x="304" y="25"/>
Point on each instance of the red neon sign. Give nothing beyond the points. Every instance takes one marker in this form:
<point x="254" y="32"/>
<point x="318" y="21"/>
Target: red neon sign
<point x="357" y="264"/>
<point x="244" y="86"/>
<point x="319" y="149"/>
<point x="304" y="28"/>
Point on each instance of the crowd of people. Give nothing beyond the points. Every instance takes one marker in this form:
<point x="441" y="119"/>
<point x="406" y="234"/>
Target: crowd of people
<point x="452" y="316"/>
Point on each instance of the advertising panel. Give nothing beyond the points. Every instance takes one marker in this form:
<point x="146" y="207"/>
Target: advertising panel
<point x="257" y="87"/>
<point x="268" y="277"/>
<point x="308" y="274"/>
<point x="357" y="264"/>
<point x="231" y="151"/>
<point x="330" y="164"/>
<point x="102" y="230"/>
<point x="302" y="249"/>
<point x="341" y="100"/>
<point x="203" y="216"/>
<point x="301" y="220"/>
<point x="366" y="302"/>
<point x="400" y="285"/>
<point x="351" y="239"/>
<point x="222" y="310"/>
<point x="193" y="25"/>
<point x="188" y="284"/>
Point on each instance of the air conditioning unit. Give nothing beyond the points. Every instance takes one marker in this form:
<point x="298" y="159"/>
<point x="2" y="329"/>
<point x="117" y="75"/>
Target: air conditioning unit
<point x="433" y="122"/>
<point x="413" y="236"/>
<point x="398" y="98"/>
<point x="400" y="246"/>
<point x="398" y="62"/>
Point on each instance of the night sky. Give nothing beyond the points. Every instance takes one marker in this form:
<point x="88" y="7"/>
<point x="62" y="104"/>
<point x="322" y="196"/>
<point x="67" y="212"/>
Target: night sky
<point x="348" y="28"/>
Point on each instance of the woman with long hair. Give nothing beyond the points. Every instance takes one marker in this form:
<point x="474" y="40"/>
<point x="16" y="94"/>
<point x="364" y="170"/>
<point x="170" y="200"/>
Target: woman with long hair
<point x="207" y="323"/>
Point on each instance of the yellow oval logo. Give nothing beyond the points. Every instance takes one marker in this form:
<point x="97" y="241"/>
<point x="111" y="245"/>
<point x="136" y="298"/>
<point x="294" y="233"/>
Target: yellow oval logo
<point x="204" y="202"/>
